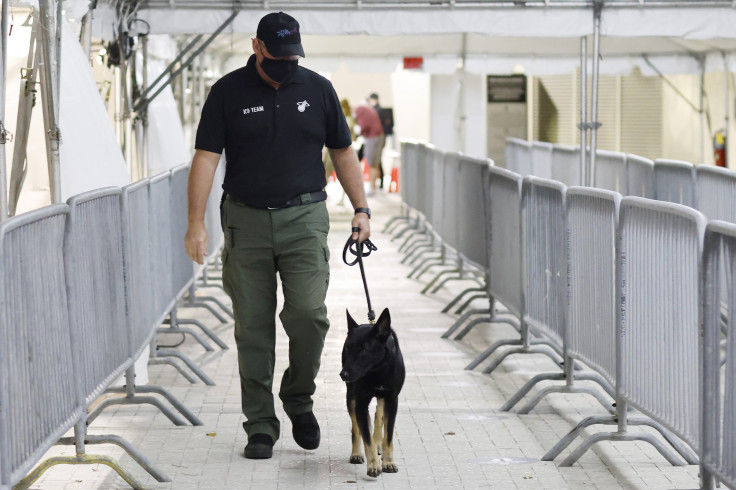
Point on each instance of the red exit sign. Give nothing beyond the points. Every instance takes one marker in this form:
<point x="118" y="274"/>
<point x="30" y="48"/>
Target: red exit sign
<point x="413" y="62"/>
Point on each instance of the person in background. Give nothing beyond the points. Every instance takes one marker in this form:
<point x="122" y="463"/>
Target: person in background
<point x="387" y="123"/>
<point x="373" y="139"/>
<point x="272" y="118"/>
<point x="347" y="112"/>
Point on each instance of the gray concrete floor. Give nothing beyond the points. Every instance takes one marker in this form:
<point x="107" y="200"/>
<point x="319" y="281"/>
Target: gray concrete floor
<point x="450" y="432"/>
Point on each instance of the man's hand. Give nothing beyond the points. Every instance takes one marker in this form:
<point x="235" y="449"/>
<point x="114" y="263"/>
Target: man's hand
<point x="195" y="241"/>
<point x="361" y="221"/>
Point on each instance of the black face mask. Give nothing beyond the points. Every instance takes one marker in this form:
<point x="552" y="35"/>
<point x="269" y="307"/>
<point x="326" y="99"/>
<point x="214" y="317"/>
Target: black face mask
<point x="278" y="70"/>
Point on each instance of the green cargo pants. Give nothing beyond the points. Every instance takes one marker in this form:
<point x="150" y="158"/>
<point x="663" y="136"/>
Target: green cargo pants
<point x="259" y="243"/>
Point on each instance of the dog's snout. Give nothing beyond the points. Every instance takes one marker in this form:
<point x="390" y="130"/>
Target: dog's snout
<point x="344" y="375"/>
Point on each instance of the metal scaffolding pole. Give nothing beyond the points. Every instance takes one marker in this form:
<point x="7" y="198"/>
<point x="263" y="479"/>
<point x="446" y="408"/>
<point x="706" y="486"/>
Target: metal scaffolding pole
<point x="594" y="124"/>
<point x="26" y="102"/>
<point x="51" y="41"/>
<point x="3" y="132"/>
<point x="583" y="125"/>
<point x="726" y="96"/>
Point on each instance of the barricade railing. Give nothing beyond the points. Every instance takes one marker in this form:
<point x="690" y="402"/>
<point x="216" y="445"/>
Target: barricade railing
<point x="164" y="297"/>
<point x="658" y="330"/>
<point x="502" y="202"/>
<point x="182" y="266"/>
<point x="518" y="155"/>
<point x="141" y="318"/>
<point x="46" y="292"/>
<point x="675" y="181"/>
<point x="610" y="171"/>
<point x="716" y="189"/>
<point x="718" y="450"/>
<point x="541" y="153"/>
<point x="566" y="164"/>
<point x="639" y="176"/>
<point x="588" y="331"/>
<point x="34" y="318"/>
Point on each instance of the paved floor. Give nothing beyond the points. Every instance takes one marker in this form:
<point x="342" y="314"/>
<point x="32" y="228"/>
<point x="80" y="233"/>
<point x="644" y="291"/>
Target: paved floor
<point x="450" y="432"/>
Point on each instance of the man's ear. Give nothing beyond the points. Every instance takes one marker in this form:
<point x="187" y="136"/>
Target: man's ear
<point x="351" y="323"/>
<point x="384" y="325"/>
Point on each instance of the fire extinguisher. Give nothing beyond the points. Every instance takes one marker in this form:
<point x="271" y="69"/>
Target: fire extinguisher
<point x="719" y="148"/>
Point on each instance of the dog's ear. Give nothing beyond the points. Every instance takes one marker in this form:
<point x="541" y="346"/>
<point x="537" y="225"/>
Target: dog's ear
<point x="351" y="323"/>
<point x="384" y="325"/>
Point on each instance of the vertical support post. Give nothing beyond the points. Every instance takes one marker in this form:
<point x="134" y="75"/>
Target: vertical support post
<point x="141" y="119"/>
<point x="23" y="121"/>
<point x="461" y="115"/>
<point x="3" y="132"/>
<point x="51" y="40"/>
<point x="726" y="97"/>
<point x="701" y="62"/>
<point x="597" y="8"/>
<point x="583" y="126"/>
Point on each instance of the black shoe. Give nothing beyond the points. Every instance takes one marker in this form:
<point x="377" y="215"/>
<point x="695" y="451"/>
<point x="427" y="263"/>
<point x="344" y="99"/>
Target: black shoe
<point x="305" y="430"/>
<point x="260" y="446"/>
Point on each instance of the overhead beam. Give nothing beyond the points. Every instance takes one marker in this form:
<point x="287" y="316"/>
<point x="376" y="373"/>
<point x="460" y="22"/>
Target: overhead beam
<point x="427" y="5"/>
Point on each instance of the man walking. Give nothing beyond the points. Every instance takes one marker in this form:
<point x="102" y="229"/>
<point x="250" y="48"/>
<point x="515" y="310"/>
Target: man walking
<point x="272" y="119"/>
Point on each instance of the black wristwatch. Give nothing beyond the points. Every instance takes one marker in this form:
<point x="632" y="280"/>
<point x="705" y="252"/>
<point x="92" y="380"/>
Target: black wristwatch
<point x="364" y="210"/>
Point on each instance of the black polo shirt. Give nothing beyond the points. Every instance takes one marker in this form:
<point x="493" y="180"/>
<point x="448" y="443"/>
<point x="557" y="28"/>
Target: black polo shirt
<point x="273" y="139"/>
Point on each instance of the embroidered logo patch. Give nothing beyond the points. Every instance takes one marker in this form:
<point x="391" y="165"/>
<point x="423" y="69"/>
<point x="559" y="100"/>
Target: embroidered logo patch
<point x="302" y="106"/>
<point x="286" y="32"/>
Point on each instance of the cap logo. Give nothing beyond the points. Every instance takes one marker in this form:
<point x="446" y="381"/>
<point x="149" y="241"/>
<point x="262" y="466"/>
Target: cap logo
<point x="286" y="32"/>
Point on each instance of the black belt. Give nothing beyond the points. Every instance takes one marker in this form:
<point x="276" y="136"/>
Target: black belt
<point x="306" y="198"/>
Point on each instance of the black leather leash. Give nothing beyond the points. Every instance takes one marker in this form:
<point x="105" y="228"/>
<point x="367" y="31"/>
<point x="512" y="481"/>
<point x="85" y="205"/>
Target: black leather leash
<point x="356" y="249"/>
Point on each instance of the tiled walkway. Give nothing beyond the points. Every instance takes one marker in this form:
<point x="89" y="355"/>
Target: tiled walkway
<point x="450" y="432"/>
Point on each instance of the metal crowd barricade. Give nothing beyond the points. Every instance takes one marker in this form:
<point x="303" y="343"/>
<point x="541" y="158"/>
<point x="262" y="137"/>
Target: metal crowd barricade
<point x="639" y="176"/>
<point x="407" y="171"/>
<point x="541" y="153"/>
<point x="409" y="191"/>
<point x="473" y="248"/>
<point x="674" y="181"/>
<point x="430" y="241"/>
<point x="589" y="332"/>
<point x="566" y="164"/>
<point x="422" y="203"/>
<point x="658" y="273"/>
<point x="451" y="224"/>
<point x="141" y="318"/>
<point x="542" y="272"/>
<point x="518" y="156"/>
<point x="162" y="282"/>
<point x="35" y="319"/>
<point x="502" y="218"/>
<point x="182" y="266"/>
<point x="610" y="171"/>
<point x="716" y="188"/>
<point x="718" y="449"/>
<point x="435" y="191"/>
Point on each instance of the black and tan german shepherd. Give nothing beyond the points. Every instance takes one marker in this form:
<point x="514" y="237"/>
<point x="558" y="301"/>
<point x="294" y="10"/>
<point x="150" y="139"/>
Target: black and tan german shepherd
<point x="372" y="367"/>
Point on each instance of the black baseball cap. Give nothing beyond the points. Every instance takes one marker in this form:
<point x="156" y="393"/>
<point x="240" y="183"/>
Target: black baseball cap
<point x="280" y="33"/>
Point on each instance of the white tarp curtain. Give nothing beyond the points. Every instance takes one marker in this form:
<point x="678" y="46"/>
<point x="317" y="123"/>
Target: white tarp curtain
<point x="90" y="155"/>
<point x="541" y="41"/>
<point x="86" y="162"/>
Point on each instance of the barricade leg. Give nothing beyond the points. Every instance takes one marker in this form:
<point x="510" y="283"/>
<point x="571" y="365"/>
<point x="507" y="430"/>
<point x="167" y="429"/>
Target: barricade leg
<point x="39" y="470"/>
<point x="544" y="348"/>
<point x="426" y="249"/>
<point x="190" y="364"/>
<point x="617" y="436"/>
<point x="205" y="329"/>
<point x="425" y="264"/>
<point x="462" y="320"/>
<point x="457" y="299"/>
<point x="172" y="362"/>
<point x="437" y="278"/>
<point x="509" y="319"/>
<point x="471" y="299"/>
<point x="137" y="400"/>
<point x="211" y="299"/>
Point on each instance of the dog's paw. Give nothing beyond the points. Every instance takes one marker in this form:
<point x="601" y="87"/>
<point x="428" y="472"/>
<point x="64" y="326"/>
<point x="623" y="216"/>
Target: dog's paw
<point x="374" y="471"/>
<point x="356" y="459"/>
<point x="390" y="468"/>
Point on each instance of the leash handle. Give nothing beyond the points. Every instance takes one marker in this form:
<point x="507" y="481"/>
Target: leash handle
<point x="356" y="248"/>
